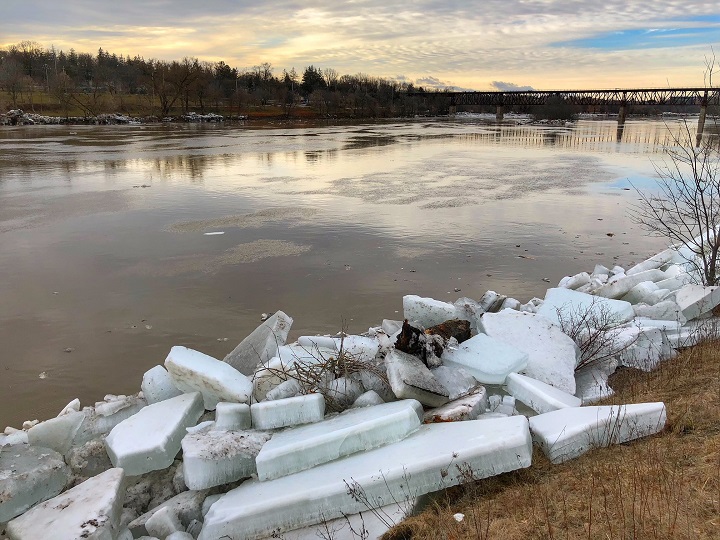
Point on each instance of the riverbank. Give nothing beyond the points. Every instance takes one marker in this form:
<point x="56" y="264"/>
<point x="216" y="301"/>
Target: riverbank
<point x="663" y="487"/>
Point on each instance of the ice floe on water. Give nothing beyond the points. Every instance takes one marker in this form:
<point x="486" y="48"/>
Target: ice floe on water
<point x="281" y="439"/>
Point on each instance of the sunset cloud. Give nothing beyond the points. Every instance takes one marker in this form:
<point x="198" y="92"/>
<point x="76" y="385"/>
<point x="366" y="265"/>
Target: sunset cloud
<point x="465" y="44"/>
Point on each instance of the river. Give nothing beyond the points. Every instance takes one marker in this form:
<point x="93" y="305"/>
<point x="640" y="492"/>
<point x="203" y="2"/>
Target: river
<point x="105" y="262"/>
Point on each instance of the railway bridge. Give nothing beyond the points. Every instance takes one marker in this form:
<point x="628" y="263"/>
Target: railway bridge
<point x="617" y="97"/>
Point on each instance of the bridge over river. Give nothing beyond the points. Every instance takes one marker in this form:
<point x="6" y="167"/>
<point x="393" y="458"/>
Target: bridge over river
<point x="621" y="98"/>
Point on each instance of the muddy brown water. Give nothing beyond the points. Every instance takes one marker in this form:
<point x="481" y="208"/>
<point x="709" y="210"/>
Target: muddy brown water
<point x="105" y="264"/>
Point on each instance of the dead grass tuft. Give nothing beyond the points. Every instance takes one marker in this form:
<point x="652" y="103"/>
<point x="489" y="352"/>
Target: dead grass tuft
<point x="661" y="487"/>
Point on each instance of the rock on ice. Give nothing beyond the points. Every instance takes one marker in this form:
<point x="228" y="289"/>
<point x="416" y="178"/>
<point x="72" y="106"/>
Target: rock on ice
<point x="150" y="440"/>
<point x="193" y="371"/>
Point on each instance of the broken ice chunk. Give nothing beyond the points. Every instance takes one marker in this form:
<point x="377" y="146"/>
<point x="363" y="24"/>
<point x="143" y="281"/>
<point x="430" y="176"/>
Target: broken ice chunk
<point x="193" y="371"/>
<point x="89" y="510"/>
<point x="694" y="300"/>
<point x="368" y="399"/>
<point x="287" y="389"/>
<point x="213" y="458"/>
<point x="577" y="306"/>
<point x="649" y="349"/>
<point x="288" y="412"/>
<point x="591" y="381"/>
<point x="410" y="379"/>
<point x="353" y="431"/>
<point x="552" y="356"/>
<point x="666" y="310"/>
<point x="468" y="407"/>
<point x="186" y="505"/>
<point x="342" y="392"/>
<point x="315" y="342"/>
<point x="458" y="381"/>
<point x="261" y="345"/>
<point x="539" y="396"/>
<point x="656" y="261"/>
<point x="157" y="385"/>
<point x="427" y="311"/>
<point x="163" y="523"/>
<point x="485" y="358"/>
<point x="29" y="475"/>
<point x="568" y="433"/>
<point x="150" y="440"/>
<point x="232" y="416"/>
<point x="359" y="348"/>
<point x="57" y="433"/>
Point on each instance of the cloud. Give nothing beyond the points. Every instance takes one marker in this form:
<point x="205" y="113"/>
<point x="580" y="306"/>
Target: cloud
<point x="501" y="86"/>
<point x="540" y="43"/>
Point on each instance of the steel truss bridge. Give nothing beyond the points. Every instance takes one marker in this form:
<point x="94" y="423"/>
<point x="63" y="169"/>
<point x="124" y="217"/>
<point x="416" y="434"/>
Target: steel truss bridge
<point x="702" y="96"/>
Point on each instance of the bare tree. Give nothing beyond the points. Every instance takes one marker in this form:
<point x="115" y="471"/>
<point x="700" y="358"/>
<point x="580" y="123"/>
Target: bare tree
<point x="686" y="206"/>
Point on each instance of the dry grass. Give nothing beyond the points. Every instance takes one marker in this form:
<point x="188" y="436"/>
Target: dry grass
<point x="662" y="487"/>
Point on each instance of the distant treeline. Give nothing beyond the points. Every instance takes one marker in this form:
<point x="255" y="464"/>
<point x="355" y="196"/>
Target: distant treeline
<point x="64" y="83"/>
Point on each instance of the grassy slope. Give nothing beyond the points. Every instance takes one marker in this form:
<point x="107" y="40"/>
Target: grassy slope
<point x="662" y="487"/>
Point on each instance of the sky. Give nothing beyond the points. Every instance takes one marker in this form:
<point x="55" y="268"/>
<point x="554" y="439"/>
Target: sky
<point x="468" y="44"/>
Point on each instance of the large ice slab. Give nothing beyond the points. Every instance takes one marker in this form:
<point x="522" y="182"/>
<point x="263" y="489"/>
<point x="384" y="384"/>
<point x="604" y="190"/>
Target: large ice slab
<point x="422" y="463"/>
<point x="102" y="418"/>
<point x="90" y="510"/>
<point x="150" y="440"/>
<point x="539" y="396"/>
<point x="427" y="311"/>
<point x="552" y="356"/>
<point x="694" y="300"/>
<point x="288" y="412"/>
<point x="29" y="475"/>
<point x="487" y="359"/>
<point x="186" y="505"/>
<point x="568" y="433"/>
<point x="573" y="305"/>
<point x="656" y="261"/>
<point x="411" y="379"/>
<point x="353" y="431"/>
<point x="157" y="385"/>
<point x="261" y="345"/>
<point x="213" y="458"/>
<point x="193" y="371"/>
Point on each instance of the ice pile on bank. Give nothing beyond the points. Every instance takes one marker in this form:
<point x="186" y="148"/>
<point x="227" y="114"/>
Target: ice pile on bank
<point x="279" y="436"/>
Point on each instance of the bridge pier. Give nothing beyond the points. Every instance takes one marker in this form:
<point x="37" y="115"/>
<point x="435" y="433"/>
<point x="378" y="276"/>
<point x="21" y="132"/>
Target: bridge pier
<point x="499" y="113"/>
<point x="701" y="120"/>
<point x="622" y="115"/>
<point x="453" y="110"/>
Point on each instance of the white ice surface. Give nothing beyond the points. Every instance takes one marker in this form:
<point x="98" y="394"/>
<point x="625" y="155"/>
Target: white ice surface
<point x="622" y="286"/>
<point x="29" y="475"/>
<point x="552" y="356"/>
<point x="656" y="261"/>
<point x="457" y="380"/>
<point x="487" y="359"/>
<point x="157" y="385"/>
<point x="411" y="379"/>
<point x="353" y="431"/>
<point x="539" y="396"/>
<point x="261" y="345"/>
<point x="150" y="440"/>
<point x="232" y="416"/>
<point x="591" y="382"/>
<point x="288" y="412"/>
<point x="193" y="371"/>
<point x="422" y="463"/>
<point x="57" y="433"/>
<point x="213" y="458"/>
<point x="573" y="304"/>
<point x="427" y="311"/>
<point x="568" y="433"/>
<point x="360" y="348"/>
<point x="368" y="399"/>
<point x="90" y="510"/>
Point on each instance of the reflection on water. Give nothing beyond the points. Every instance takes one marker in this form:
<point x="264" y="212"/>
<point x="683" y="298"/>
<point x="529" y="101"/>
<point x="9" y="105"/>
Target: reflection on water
<point x="103" y="251"/>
